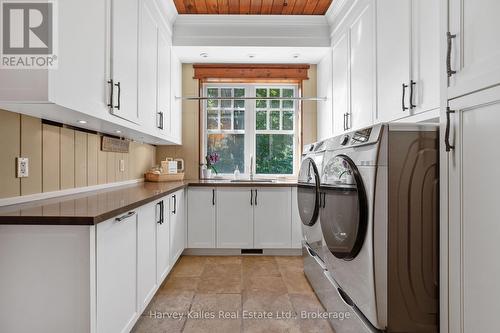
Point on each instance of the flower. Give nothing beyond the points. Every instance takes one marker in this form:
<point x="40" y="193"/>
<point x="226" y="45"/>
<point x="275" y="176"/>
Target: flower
<point x="212" y="159"/>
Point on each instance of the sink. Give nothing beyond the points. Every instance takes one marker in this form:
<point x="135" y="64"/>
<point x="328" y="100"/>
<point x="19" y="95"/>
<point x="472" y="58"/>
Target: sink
<point x="252" y="181"/>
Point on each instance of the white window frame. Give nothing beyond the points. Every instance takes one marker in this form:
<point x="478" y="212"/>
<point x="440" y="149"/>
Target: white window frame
<point x="250" y="128"/>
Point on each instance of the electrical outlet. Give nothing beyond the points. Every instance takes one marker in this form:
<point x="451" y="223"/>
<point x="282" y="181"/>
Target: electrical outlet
<point x="22" y="167"/>
<point x="122" y="165"/>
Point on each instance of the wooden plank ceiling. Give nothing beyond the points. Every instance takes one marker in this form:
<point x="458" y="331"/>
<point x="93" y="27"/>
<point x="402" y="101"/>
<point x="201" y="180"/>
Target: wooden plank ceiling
<point x="253" y="7"/>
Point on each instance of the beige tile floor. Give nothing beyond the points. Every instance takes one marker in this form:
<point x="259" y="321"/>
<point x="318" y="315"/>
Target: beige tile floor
<point x="202" y="290"/>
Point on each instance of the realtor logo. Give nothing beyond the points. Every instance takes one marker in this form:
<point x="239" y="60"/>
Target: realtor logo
<point x="28" y="38"/>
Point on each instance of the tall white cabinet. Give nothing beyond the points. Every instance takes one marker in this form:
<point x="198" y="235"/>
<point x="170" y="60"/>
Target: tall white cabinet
<point x="470" y="117"/>
<point x="474" y="269"/>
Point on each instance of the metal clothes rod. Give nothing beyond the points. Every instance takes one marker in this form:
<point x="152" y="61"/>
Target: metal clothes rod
<point x="195" y="98"/>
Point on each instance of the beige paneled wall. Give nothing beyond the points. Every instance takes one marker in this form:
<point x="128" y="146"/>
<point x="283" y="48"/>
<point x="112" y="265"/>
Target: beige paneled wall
<point x="190" y="133"/>
<point x="61" y="158"/>
<point x="190" y="136"/>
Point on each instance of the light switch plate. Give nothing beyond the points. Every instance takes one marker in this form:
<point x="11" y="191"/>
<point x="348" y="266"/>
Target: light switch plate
<point x="22" y="167"/>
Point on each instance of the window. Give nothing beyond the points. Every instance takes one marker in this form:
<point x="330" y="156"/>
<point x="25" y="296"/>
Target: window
<point x="240" y="128"/>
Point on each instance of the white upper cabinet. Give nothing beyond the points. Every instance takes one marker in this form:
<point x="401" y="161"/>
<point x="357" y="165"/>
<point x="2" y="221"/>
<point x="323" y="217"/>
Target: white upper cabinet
<point x="235" y="217"/>
<point x="474" y="49"/>
<point x="325" y="89"/>
<point x="362" y="69"/>
<point x="148" y="66"/>
<point x="425" y="56"/>
<point x="393" y="58"/>
<point x="407" y="58"/>
<point x="353" y="78"/>
<point x="340" y="84"/>
<point x="164" y="85"/>
<point x="124" y="58"/>
<point x="175" y="101"/>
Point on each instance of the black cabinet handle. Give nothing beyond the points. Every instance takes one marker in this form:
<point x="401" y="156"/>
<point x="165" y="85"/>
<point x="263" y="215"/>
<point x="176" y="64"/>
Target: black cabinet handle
<point x="412" y="84"/>
<point x="255" y="197"/>
<point x="251" y="197"/>
<point x="348" y="120"/>
<point x="124" y="217"/>
<point x="175" y="204"/>
<point x="213" y="197"/>
<point x="160" y="220"/>
<point x="449" y="147"/>
<point x="160" y="120"/>
<point x="345" y="129"/>
<point x="119" y="95"/>
<point x="403" y="105"/>
<point x="450" y="71"/>
<point x="112" y="88"/>
<point x="324" y="199"/>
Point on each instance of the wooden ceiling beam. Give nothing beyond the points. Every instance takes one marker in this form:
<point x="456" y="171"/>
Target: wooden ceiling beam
<point x="251" y="71"/>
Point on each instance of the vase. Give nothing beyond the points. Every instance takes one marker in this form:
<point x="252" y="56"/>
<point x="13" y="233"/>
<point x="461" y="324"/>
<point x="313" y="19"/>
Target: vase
<point x="206" y="173"/>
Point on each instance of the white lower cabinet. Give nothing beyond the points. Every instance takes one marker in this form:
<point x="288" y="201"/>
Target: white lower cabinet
<point x="177" y="225"/>
<point x="117" y="273"/>
<point x="272" y="218"/>
<point x="163" y="264"/>
<point x="235" y="217"/>
<point x="241" y="218"/>
<point x="296" y="222"/>
<point x="472" y="229"/>
<point x="201" y="217"/>
<point x="146" y="254"/>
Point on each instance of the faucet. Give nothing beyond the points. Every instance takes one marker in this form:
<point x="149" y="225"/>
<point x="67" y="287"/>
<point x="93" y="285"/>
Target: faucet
<point x="251" y="167"/>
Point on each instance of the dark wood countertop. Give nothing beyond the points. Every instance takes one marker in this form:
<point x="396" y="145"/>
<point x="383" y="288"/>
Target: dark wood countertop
<point x="92" y="207"/>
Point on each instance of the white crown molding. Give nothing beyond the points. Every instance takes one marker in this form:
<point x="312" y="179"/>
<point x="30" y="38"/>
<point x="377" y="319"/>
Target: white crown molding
<point x="251" y="30"/>
<point x="168" y="12"/>
<point x="337" y="13"/>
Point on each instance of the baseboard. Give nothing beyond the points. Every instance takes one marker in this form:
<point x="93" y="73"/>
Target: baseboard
<point x="237" y="252"/>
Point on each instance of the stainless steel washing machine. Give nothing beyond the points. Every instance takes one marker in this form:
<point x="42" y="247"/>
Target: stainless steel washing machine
<point x="379" y="218"/>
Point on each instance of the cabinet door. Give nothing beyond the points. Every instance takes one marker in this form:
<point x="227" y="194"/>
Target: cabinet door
<point x="116" y="274"/>
<point x="325" y="89"/>
<point x="425" y="55"/>
<point x="148" y="67"/>
<point x="163" y="90"/>
<point x="340" y="83"/>
<point x="124" y="57"/>
<point x="474" y="268"/>
<point x="296" y="222"/>
<point x="201" y="217"/>
<point x="163" y="242"/>
<point x="235" y="217"/>
<point x="176" y="103"/>
<point x="177" y="226"/>
<point x="362" y="69"/>
<point x="148" y="216"/>
<point x="79" y="81"/>
<point x="475" y="52"/>
<point x="272" y="218"/>
<point x="393" y="58"/>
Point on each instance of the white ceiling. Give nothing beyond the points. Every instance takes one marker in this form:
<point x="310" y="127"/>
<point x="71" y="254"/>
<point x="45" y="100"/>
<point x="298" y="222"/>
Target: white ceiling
<point x="250" y="54"/>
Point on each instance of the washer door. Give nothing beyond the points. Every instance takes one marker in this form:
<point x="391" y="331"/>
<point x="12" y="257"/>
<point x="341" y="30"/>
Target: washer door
<point x="344" y="212"/>
<point x="308" y="192"/>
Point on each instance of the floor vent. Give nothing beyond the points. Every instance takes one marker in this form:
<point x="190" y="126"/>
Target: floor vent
<point x="251" y="251"/>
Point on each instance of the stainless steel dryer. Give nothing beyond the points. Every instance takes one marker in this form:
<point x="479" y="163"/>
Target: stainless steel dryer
<point x="379" y="218"/>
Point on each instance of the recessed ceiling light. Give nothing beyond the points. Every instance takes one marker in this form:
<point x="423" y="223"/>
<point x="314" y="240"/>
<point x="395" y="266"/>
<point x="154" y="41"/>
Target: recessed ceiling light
<point x="204" y="54"/>
<point x="295" y="55"/>
<point x="251" y="55"/>
<point x="118" y="131"/>
<point x="81" y="121"/>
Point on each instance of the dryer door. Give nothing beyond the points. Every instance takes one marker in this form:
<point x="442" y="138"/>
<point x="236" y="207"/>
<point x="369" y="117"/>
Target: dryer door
<point x="308" y="192"/>
<point x="344" y="210"/>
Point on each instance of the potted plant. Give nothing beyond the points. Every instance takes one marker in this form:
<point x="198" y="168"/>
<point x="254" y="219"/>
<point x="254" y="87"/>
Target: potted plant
<point x="211" y="159"/>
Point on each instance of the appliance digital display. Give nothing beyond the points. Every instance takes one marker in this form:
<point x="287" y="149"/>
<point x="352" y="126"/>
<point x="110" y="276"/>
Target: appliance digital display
<point x="361" y="136"/>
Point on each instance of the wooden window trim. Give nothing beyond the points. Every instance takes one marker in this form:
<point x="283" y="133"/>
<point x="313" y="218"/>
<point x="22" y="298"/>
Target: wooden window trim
<point x="246" y="72"/>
